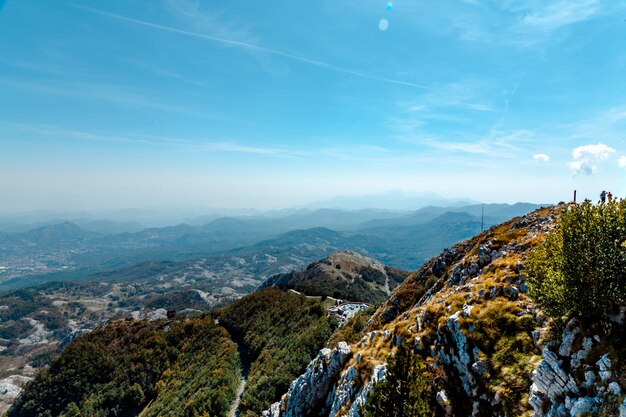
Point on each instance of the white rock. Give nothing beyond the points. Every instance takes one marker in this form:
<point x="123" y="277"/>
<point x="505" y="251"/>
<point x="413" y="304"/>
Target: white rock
<point x="614" y="389"/>
<point x="585" y="406"/>
<point x="311" y="389"/>
<point x="590" y="379"/>
<point x="11" y="387"/>
<point x="444" y="401"/>
<point x="622" y="409"/>
<point x="460" y="356"/>
<point x="568" y="338"/>
<point x="158" y="314"/>
<point x="379" y="374"/>
<point x="604" y="364"/>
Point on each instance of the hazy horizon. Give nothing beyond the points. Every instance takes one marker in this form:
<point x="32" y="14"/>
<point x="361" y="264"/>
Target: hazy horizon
<point x="391" y="202"/>
<point x="181" y="103"/>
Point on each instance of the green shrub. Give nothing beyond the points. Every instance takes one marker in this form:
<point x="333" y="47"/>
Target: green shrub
<point x="406" y="391"/>
<point x="581" y="267"/>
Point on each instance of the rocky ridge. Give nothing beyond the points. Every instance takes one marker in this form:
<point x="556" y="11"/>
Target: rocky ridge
<point x="468" y="315"/>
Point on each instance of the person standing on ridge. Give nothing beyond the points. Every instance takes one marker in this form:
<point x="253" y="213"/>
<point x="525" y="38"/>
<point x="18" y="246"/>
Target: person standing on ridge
<point x="603" y="197"/>
<point x="609" y="197"/>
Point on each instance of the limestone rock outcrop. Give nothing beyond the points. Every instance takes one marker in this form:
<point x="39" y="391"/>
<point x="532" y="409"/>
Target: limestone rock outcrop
<point x="570" y="382"/>
<point x="310" y="390"/>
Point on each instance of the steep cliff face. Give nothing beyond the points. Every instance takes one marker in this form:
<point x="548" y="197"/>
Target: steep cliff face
<point x="468" y="317"/>
<point x="307" y="394"/>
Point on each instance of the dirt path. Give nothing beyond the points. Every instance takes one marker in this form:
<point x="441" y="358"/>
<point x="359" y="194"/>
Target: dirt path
<point x="234" y="410"/>
<point x="245" y="370"/>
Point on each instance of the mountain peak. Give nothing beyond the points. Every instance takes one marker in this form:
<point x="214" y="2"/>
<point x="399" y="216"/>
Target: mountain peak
<point x="344" y="275"/>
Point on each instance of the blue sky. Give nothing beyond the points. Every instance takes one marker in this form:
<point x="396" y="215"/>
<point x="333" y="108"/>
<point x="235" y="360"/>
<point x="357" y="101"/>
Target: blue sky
<point x="128" y="103"/>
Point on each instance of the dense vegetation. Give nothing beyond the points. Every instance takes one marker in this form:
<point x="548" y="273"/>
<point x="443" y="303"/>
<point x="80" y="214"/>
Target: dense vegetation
<point x="281" y="332"/>
<point x="581" y="267"/>
<point x="203" y="379"/>
<point x="118" y="369"/>
<point x="407" y="389"/>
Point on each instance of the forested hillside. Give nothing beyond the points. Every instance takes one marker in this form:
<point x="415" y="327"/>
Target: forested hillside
<point x="280" y="332"/>
<point x="184" y="368"/>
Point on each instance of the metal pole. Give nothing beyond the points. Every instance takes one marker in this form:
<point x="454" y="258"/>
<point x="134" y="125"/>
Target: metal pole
<point x="482" y="219"/>
<point x="574" y="196"/>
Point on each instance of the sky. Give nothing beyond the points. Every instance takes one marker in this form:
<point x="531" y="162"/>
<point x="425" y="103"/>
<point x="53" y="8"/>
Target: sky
<point x="170" y="103"/>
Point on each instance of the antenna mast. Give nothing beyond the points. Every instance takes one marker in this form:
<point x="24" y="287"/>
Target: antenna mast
<point x="482" y="219"/>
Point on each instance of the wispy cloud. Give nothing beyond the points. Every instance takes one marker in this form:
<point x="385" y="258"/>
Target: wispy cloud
<point x="467" y="95"/>
<point x="495" y="145"/>
<point x="356" y="153"/>
<point x="46" y="68"/>
<point x="542" y="157"/>
<point x="173" y="143"/>
<point x="234" y="147"/>
<point x="621" y="162"/>
<point x="550" y="16"/>
<point x="481" y="148"/>
<point x="255" y="48"/>
<point x="519" y="81"/>
<point x="464" y="105"/>
<point x="607" y="125"/>
<point x="192" y="14"/>
<point x="110" y="93"/>
<point x="586" y="158"/>
<point x="523" y="23"/>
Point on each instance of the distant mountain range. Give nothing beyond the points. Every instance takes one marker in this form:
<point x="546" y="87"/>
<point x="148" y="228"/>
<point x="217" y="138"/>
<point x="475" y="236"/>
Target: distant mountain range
<point x="399" y="239"/>
<point x="390" y="200"/>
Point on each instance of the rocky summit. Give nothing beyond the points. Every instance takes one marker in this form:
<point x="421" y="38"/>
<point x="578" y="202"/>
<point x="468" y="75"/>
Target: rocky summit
<point x="345" y="275"/>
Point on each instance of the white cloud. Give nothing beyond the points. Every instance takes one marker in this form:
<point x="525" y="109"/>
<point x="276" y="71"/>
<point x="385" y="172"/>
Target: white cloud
<point x="480" y="148"/>
<point x="562" y="13"/>
<point x="541" y="157"/>
<point x="622" y="161"/>
<point x="599" y="151"/>
<point x="586" y="157"/>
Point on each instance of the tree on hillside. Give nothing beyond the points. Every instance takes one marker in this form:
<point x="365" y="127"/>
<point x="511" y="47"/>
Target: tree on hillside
<point x="406" y="390"/>
<point x="581" y="267"/>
